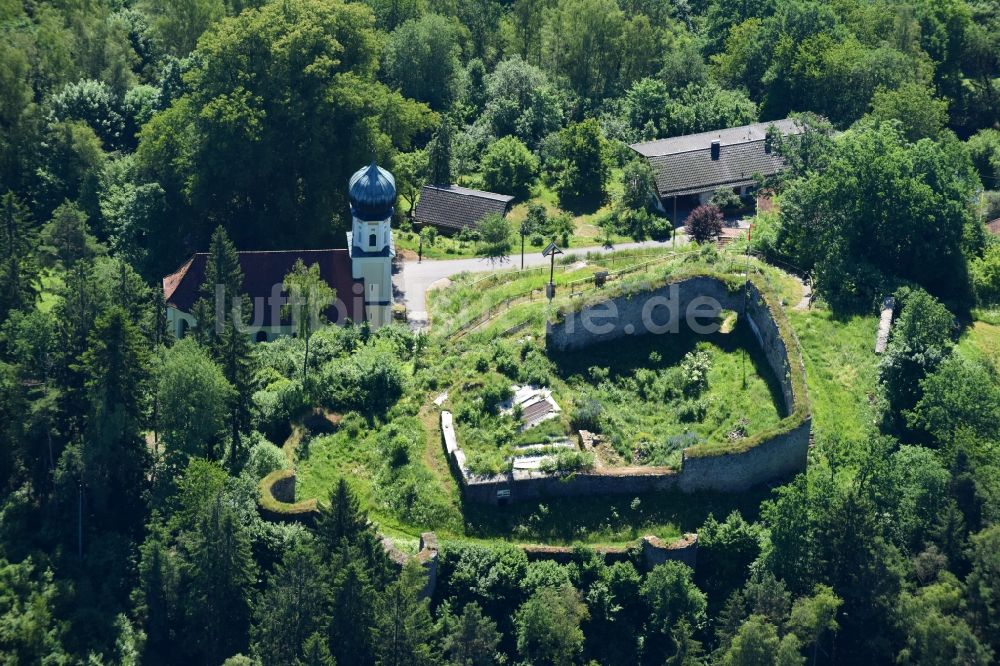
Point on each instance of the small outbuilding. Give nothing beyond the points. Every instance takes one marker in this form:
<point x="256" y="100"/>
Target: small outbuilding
<point x="994" y="227"/>
<point x="451" y="208"/>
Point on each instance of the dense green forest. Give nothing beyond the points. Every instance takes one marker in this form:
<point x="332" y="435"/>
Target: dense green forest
<point x="133" y="134"/>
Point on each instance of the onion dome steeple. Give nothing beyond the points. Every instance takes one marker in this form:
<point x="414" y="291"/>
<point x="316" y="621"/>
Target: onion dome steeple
<point x="372" y="191"/>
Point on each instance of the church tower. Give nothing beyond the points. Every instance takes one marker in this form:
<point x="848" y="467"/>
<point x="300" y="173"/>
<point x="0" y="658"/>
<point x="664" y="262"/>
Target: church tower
<point x="372" y="192"/>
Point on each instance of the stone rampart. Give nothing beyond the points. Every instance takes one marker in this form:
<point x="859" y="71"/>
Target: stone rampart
<point x="693" y="301"/>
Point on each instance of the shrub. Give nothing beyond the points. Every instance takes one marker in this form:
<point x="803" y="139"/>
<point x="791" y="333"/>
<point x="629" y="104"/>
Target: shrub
<point x="692" y="411"/>
<point x="567" y="461"/>
<point x="535" y="368"/>
<point x="482" y="363"/>
<point x="695" y="367"/>
<point x="725" y="199"/>
<point x="278" y="404"/>
<point x="495" y="391"/>
<point x="264" y="458"/>
<point x="704" y="223"/>
<point x="985" y="273"/>
<point x="370" y="381"/>
<point x="505" y="360"/>
<point x="587" y="415"/>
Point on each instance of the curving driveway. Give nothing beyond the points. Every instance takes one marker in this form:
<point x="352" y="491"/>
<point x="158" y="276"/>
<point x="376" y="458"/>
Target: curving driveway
<point x="412" y="279"/>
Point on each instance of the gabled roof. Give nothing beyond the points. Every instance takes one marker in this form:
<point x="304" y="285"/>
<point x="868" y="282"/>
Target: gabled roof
<point x="683" y="164"/>
<point x="695" y="171"/>
<point x="702" y="140"/>
<point x="261" y="272"/>
<point x="457" y="207"/>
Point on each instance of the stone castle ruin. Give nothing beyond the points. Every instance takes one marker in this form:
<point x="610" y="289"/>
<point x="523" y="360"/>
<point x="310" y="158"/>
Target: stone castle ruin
<point x="722" y="467"/>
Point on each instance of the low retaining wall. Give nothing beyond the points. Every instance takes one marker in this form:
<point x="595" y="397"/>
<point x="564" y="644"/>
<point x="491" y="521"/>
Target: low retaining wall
<point x="651" y="552"/>
<point x="277" y="499"/>
<point x="722" y="467"/>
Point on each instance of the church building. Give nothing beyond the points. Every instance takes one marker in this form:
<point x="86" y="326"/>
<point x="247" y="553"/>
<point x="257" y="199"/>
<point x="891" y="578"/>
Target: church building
<point x="360" y="275"/>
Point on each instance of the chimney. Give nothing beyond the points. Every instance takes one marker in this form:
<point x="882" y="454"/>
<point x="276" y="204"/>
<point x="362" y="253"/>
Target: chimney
<point x="715" y="149"/>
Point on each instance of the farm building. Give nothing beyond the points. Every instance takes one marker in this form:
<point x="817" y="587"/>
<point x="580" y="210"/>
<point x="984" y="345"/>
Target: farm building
<point x="451" y="208"/>
<point x="689" y="169"/>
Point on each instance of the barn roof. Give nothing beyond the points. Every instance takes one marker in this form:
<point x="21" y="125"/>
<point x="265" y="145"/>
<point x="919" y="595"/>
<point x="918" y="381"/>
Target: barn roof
<point x="683" y="165"/>
<point x="262" y="270"/>
<point x="455" y="207"/>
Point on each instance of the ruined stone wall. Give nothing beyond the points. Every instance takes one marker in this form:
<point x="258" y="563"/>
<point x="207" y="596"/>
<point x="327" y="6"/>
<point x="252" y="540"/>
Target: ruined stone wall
<point x="718" y="467"/>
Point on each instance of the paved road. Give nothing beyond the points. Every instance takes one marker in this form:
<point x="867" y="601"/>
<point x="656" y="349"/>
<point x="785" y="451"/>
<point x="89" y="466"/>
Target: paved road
<point x="411" y="282"/>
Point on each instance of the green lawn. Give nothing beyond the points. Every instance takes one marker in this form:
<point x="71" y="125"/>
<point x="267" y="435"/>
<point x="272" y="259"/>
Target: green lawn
<point x="841" y="370"/>
<point x="982" y="341"/>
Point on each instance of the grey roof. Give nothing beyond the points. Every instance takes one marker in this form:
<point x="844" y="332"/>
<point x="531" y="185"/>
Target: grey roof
<point x="728" y="136"/>
<point x="457" y="207"/>
<point x="695" y="171"/>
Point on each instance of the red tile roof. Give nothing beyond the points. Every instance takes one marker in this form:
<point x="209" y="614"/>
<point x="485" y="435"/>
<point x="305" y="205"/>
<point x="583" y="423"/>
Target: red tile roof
<point x="262" y="271"/>
<point x="994" y="226"/>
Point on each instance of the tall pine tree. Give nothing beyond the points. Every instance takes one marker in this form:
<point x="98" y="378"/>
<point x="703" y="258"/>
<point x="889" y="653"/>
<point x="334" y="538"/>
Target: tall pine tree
<point x="222" y="313"/>
<point x="439" y="156"/>
<point x="18" y="272"/>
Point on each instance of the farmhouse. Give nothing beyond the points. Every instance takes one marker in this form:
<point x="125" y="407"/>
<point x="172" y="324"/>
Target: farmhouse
<point x="688" y="169"/>
<point x="451" y="208"/>
<point x="361" y="275"/>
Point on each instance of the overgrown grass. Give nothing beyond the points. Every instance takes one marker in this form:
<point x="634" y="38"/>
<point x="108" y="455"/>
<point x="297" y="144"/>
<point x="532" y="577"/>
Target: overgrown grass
<point x="422" y="493"/>
<point x="648" y="408"/>
<point x="473" y="295"/>
<point x="387" y="467"/>
<point x="981" y="341"/>
<point x="841" y="370"/>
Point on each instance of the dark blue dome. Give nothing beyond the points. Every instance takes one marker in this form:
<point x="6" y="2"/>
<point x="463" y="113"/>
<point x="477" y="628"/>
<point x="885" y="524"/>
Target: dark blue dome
<point x="373" y="193"/>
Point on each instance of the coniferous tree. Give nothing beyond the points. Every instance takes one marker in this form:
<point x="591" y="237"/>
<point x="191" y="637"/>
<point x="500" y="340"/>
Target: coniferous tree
<point x="292" y="608"/>
<point x="344" y="532"/>
<point x="156" y="596"/>
<point x="316" y="653"/>
<point x="472" y="639"/>
<point x="113" y="458"/>
<point x="18" y="271"/>
<point x="222" y="573"/>
<point x="439" y="156"/>
<point x="404" y="627"/>
<point x="352" y="627"/>
<point x="222" y="313"/>
<point x="341" y="521"/>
